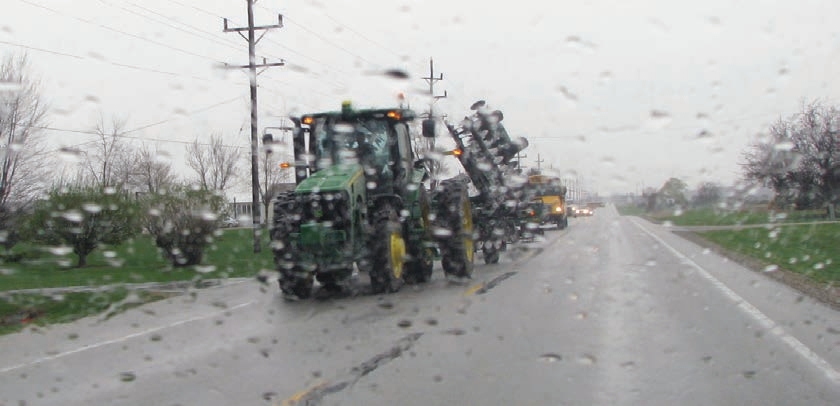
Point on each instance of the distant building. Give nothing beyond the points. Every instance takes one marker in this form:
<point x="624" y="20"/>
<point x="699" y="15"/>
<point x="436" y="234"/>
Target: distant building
<point x="239" y="209"/>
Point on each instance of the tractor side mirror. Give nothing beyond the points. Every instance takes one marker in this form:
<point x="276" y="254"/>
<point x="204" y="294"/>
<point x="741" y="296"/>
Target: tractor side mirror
<point x="429" y="128"/>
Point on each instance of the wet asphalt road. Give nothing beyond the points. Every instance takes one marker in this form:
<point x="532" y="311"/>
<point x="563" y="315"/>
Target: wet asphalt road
<point x="613" y="310"/>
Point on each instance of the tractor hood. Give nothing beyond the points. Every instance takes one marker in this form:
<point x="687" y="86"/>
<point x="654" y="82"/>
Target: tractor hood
<point x="332" y="179"/>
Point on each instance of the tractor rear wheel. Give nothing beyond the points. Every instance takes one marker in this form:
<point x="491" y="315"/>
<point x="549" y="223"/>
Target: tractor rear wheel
<point x="455" y="215"/>
<point x="421" y="261"/>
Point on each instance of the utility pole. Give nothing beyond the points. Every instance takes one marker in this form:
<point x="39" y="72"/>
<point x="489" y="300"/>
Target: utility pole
<point x="539" y="163"/>
<point x="431" y="80"/>
<point x="252" y="76"/>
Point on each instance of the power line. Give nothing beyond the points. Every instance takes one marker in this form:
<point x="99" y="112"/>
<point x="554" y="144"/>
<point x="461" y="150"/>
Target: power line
<point x="42" y="50"/>
<point x="187" y="114"/>
<point x="383" y="47"/>
<point x="124" y="133"/>
<point x="161" y="44"/>
<point x="118" y="64"/>
<point x="322" y="38"/>
<point x="664" y="130"/>
<point x="204" y="37"/>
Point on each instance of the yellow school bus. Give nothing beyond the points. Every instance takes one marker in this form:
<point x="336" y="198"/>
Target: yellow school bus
<point x="550" y="191"/>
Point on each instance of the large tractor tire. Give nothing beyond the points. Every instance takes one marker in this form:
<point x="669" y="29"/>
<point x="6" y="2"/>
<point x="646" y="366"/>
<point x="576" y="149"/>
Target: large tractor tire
<point x="421" y="261"/>
<point x="491" y="255"/>
<point x="388" y="251"/>
<point x="294" y="282"/>
<point x="454" y="213"/>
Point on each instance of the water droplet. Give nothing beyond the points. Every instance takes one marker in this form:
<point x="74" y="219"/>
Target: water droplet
<point x="567" y="94"/>
<point x="771" y="268"/>
<point x="127" y="376"/>
<point x="61" y="250"/>
<point x="550" y="357"/>
<point x="455" y="332"/>
<point x="205" y="268"/>
<point x="432" y="322"/>
<point x="587" y="359"/>
<point x="581" y="315"/>
<point x="404" y="323"/>
<point x="73" y="215"/>
<point x="658" y="119"/>
<point x="819" y="265"/>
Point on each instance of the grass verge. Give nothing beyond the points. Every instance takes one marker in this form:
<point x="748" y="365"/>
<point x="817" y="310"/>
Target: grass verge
<point x="136" y="261"/>
<point x="18" y="311"/>
<point x="717" y="217"/>
<point x="630" y="210"/>
<point x="809" y="250"/>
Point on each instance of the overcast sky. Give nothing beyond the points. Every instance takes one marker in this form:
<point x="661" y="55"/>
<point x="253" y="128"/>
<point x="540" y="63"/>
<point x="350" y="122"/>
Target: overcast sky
<point x="579" y="79"/>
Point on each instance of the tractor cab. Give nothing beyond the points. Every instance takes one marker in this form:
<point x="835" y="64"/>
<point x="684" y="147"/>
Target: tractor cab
<point x="378" y="141"/>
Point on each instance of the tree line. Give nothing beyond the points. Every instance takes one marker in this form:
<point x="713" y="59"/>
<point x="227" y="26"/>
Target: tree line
<point x="114" y="190"/>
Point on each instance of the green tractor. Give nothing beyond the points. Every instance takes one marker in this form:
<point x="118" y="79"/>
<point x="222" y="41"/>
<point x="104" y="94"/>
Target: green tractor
<point x="360" y="202"/>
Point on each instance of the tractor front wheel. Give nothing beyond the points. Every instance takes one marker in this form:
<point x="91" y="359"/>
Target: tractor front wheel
<point x="389" y="251"/>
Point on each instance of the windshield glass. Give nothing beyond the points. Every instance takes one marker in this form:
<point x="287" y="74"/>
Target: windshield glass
<point x="342" y="143"/>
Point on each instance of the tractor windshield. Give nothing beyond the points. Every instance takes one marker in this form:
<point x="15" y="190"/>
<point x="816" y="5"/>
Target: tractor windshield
<point x="343" y="142"/>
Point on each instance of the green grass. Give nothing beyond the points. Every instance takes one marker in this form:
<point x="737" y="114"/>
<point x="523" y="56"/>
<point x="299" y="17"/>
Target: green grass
<point x="20" y="310"/>
<point x="712" y="217"/>
<point x="136" y="261"/>
<point x="811" y="250"/>
<point x="630" y="210"/>
<point x="716" y="217"/>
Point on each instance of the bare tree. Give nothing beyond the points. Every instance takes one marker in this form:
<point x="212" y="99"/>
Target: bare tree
<point x="22" y="153"/>
<point x="215" y="163"/>
<point x="152" y="173"/>
<point x="108" y="161"/>
<point x="800" y="159"/>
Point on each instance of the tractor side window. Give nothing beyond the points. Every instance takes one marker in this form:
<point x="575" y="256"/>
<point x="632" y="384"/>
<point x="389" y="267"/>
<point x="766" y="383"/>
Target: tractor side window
<point x="404" y="147"/>
<point x="374" y="148"/>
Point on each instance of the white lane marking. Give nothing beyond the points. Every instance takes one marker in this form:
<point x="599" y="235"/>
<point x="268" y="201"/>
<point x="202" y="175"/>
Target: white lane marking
<point x="121" y="339"/>
<point x="753" y="312"/>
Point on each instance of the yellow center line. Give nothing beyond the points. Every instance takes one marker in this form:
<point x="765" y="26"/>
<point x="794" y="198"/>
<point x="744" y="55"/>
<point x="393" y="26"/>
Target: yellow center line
<point x="471" y="291"/>
<point x="300" y="395"/>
